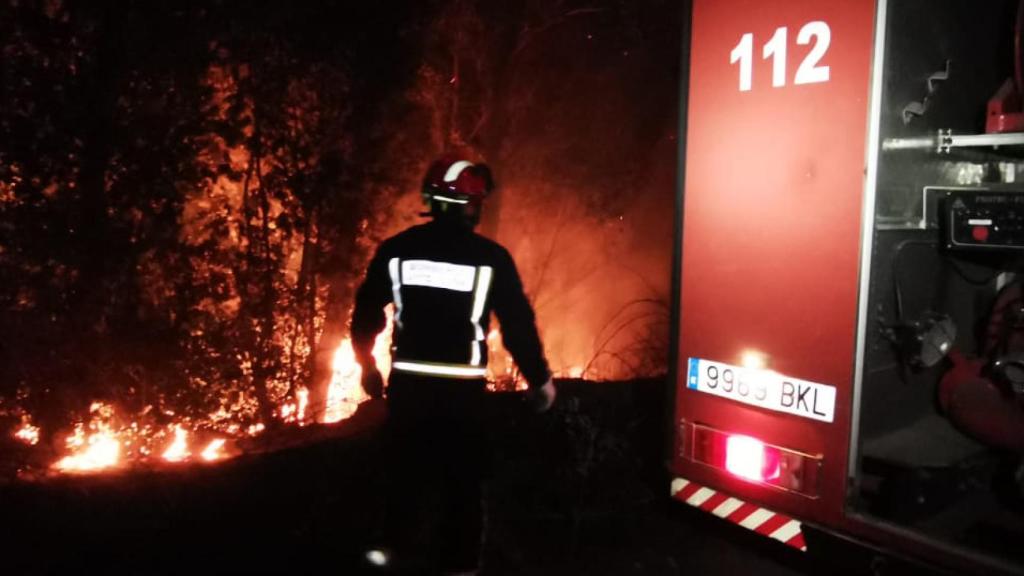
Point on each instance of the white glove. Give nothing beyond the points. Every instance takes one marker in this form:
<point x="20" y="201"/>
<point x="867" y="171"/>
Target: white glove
<point x="543" y="397"/>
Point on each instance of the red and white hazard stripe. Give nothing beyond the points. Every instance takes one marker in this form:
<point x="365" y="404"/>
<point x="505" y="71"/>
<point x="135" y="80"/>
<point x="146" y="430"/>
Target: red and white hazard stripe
<point x="752" y="517"/>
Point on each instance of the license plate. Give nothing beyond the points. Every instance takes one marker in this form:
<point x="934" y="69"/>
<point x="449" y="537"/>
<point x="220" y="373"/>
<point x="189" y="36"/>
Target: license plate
<point x="763" y="388"/>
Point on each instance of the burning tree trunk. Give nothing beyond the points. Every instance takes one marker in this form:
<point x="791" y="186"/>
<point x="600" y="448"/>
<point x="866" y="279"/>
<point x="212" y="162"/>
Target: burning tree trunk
<point x="338" y="275"/>
<point x="259" y="306"/>
<point x="306" y="309"/>
<point x="290" y="139"/>
<point x="330" y="339"/>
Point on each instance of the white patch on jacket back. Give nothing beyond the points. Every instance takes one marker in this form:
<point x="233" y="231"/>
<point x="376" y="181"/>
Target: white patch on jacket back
<point x="438" y="275"/>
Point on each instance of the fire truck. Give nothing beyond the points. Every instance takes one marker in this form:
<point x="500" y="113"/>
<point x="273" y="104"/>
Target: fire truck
<point x="849" y="312"/>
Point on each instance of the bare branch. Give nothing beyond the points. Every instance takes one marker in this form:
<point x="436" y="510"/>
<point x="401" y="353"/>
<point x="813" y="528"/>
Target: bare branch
<point x="602" y="349"/>
<point x="546" y="264"/>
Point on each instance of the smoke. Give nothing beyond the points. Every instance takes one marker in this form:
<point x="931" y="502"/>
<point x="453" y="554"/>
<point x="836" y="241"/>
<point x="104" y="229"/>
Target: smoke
<point x="598" y="279"/>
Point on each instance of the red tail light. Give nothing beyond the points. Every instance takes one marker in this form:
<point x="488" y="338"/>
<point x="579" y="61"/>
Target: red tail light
<point x="752" y="459"/>
<point x="749" y="458"/>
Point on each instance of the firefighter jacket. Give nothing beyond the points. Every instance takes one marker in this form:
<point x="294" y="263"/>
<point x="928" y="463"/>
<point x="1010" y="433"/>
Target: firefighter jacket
<point x="444" y="281"/>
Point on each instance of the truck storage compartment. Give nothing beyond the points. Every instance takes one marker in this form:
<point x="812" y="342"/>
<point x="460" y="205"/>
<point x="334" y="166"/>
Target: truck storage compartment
<point x="941" y="409"/>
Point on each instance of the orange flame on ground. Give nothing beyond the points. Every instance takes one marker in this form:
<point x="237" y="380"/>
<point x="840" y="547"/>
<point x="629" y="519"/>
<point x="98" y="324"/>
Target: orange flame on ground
<point x="98" y="444"/>
<point x="98" y="450"/>
<point x="345" y="390"/>
<point x="178" y="450"/>
<point x="213" y="450"/>
<point x="344" y="393"/>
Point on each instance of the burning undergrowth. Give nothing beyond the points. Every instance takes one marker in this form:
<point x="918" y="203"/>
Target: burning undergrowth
<point x="114" y="437"/>
<point x="594" y="325"/>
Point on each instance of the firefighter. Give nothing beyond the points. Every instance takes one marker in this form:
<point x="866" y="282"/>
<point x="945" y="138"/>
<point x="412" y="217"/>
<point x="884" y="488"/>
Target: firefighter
<point x="444" y="281"/>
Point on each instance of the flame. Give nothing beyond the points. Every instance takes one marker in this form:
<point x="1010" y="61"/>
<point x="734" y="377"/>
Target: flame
<point x="178" y="450"/>
<point x="98" y="444"/>
<point x="101" y="442"/>
<point x="295" y="412"/>
<point x="382" y="345"/>
<point x="303" y="404"/>
<point x="95" y="451"/>
<point x="344" y="393"/>
<point x="345" y="390"/>
<point x="28" y="433"/>
<point x="213" y="450"/>
<point x="501" y="369"/>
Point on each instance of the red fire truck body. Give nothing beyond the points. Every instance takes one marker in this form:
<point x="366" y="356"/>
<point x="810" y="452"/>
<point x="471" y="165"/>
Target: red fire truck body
<point x="847" y="227"/>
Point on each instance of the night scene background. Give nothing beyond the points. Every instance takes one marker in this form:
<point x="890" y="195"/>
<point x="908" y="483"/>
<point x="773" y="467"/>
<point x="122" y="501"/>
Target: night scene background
<point x="189" y="195"/>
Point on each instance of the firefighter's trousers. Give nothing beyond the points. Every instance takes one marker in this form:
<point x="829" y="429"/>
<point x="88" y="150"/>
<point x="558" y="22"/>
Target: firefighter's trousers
<point x="439" y="455"/>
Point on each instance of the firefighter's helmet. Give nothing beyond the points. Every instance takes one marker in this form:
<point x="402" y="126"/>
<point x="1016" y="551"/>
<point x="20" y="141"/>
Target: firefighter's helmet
<point x="456" y="188"/>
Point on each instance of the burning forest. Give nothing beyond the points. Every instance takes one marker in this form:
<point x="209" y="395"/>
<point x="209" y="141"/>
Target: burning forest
<point x="190" y="192"/>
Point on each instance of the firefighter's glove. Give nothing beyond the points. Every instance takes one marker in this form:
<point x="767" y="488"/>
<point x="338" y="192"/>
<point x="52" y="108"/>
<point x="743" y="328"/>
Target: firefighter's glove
<point x="373" y="383"/>
<point x="542" y="397"/>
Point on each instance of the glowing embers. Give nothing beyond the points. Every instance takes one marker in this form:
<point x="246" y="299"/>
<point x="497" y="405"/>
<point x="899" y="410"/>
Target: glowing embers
<point x="752" y="460"/>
